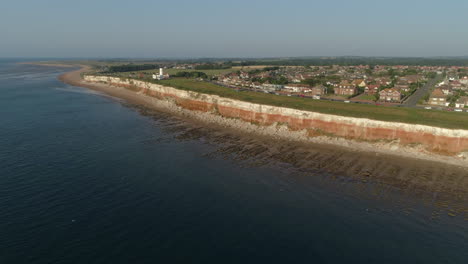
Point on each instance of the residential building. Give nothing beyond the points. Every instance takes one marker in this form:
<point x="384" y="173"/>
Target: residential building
<point x="447" y="90"/>
<point x="438" y="98"/>
<point x="296" y="88"/>
<point x="371" y="89"/>
<point x="390" y="95"/>
<point x="345" y="90"/>
<point x="359" y="83"/>
<point x="319" y="90"/>
<point x="461" y="102"/>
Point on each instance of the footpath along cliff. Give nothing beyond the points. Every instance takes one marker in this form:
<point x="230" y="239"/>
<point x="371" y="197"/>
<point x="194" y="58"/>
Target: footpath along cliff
<point x="400" y="138"/>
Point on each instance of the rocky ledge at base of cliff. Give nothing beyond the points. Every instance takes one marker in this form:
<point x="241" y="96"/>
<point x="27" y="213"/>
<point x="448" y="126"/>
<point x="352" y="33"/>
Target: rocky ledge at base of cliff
<point x="415" y="141"/>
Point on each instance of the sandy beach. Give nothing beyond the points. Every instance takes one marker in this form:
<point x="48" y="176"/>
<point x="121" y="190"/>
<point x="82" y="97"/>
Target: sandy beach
<point x="74" y="78"/>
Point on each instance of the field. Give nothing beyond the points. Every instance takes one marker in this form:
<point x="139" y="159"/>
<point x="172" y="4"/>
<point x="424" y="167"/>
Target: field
<point x="394" y="114"/>
<point x="365" y="97"/>
<point x="208" y="72"/>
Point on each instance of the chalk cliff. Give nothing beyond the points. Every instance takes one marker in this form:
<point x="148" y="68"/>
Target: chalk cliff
<point x="421" y="138"/>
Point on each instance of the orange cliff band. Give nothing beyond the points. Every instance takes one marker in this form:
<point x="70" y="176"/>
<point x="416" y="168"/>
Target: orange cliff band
<point x="437" y="143"/>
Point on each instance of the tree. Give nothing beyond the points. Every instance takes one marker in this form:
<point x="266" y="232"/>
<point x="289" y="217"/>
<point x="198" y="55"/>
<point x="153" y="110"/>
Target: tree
<point x="359" y="89"/>
<point x="377" y="96"/>
<point x="194" y="74"/>
<point x="426" y="97"/>
<point x="131" y="67"/>
<point x="330" y="89"/>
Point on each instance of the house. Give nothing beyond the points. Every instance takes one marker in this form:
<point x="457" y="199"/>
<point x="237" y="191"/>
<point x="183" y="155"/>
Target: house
<point x="359" y="83"/>
<point x="438" y="98"/>
<point x="383" y="81"/>
<point x="461" y="102"/>
<point x="371" y="89"/>
<point x="447" y="90"/>
<point x="345" y="84"/>
<point x="411" y="78"/>
<point x="390" y="95"/>
<point x="319" y="90"/>
<point x="345" y="90"/>
<point x="244" y="75"/>
<point x="456" y="85"/>
<point x="271" y="87"/>
<point x="464" y="80"/>
<point x="296" y="88"/>
<point x="402" y="87"/>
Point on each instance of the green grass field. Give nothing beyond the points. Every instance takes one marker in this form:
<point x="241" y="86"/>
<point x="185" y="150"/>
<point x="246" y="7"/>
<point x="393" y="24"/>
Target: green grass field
<point x="208" y="72"/>
<point x="365" y="97"/>
<point x="394" y="114"/>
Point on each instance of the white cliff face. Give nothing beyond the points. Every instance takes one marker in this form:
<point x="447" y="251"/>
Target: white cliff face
<point x="274" y="110"/>
<point x="359" y="134"/>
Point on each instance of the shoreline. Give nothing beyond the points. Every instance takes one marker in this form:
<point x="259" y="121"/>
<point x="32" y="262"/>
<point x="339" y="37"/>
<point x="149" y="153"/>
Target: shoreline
<point x="74" y="78"/>
<point x="61" y="65"/>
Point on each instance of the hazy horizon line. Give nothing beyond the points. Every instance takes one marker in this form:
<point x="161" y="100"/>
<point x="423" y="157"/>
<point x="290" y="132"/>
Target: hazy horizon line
<point x="227" y="57"/>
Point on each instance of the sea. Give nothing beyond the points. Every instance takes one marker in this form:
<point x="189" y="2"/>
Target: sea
<point x="89" y="178"/>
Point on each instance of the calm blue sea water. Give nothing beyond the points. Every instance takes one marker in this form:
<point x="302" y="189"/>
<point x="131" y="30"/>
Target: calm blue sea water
<point x="86" y="178"/>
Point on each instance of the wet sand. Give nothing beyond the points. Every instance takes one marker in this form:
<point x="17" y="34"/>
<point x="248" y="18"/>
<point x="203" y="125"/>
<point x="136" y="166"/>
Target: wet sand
<point x="63" y="65"/>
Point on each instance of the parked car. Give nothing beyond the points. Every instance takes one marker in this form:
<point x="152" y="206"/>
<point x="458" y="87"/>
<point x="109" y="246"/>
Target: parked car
<point x="458" y="110"/>
<point x="428" y="107"/>
<point x="346" y="101"/>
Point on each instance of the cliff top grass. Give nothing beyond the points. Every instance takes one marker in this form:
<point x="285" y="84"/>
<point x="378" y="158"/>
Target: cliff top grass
<point x="208" y="72"/>
<point x="175" y="71"/>
<point x="453" y="120"/>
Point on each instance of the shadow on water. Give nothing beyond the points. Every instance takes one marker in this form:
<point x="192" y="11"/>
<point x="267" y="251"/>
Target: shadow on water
<point x="441" y="187"/>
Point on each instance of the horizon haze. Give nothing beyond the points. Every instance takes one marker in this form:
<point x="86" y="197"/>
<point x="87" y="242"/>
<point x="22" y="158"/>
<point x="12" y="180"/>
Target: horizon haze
<point x="206" y="28"/>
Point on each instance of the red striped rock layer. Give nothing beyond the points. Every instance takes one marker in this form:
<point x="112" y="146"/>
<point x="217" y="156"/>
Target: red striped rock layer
<point x="439" y="140"/>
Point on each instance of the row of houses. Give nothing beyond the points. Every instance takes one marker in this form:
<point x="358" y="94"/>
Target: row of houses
<point x="346" y="87"/>
<point x="439" y="98"/>
<point x="452" y="86"/>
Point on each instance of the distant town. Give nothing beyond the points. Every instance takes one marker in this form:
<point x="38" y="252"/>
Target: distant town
<point x="430" y="87"/>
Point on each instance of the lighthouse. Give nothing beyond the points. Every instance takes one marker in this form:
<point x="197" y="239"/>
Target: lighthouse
<point x="160" y="76"/>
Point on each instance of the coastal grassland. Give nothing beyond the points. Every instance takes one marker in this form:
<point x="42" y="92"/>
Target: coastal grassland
<point x="207" y="72"/>
<point x="259" y="67"/>
<point x="210" y="73"/>
<point x="435" y="118"/>
<point x="365" y="97"/>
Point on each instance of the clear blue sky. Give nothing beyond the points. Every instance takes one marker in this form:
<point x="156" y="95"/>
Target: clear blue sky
<point x="239" y="28"/>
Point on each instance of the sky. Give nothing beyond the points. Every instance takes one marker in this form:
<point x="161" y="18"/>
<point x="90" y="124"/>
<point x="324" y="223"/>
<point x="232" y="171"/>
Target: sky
<point x="237" y="28"/>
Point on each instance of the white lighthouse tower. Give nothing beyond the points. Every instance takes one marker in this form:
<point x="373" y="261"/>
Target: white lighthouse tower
<point x="160" y="76"/>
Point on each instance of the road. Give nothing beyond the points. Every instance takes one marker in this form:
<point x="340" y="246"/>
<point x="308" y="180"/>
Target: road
<point x="413" y="100"/>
